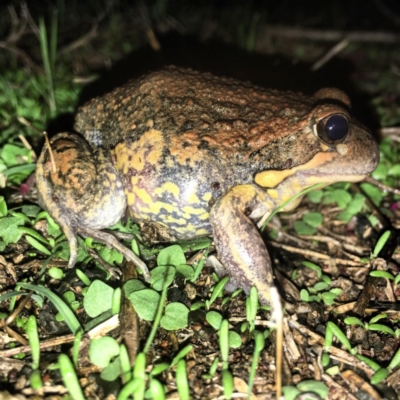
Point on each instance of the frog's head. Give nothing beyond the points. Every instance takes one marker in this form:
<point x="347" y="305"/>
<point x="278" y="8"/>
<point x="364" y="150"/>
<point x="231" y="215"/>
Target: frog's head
<point x="330" y="146"/>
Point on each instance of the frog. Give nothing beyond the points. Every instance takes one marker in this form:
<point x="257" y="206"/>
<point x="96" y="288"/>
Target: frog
<point x="199" y="155"/>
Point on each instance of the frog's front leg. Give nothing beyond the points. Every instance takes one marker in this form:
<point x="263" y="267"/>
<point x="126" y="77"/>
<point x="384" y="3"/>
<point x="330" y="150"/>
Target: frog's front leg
<point x="82" y="192"/>
<point x="239" y="244"/>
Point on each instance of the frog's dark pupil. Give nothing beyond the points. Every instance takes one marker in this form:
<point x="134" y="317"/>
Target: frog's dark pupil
<point x="336" y="127"/>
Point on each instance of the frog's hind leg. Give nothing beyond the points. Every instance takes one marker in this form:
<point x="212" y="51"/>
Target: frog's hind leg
<point x="239" y="244"/>
<point x="82" y="192"/>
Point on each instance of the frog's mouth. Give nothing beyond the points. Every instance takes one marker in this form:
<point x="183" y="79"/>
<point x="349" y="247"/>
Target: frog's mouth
<point x="322" y="169"/>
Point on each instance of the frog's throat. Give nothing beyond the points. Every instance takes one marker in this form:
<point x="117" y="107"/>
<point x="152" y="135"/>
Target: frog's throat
<point x="283" y="185"/>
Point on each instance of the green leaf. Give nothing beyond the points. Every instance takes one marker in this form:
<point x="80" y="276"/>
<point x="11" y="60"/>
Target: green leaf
<point x="381" y="328"/>
<point x="182" y="354"/>
<point x="9" y="229"/>
<point x="182" y="383"/>
<point x="379" y="376"/>
<point x="37" y="245"/>
<point x="380" y="172"/>
<point x="302" y="228"/>
<point x="132" y="286"/>
<point x="219" y="287"/>
<point x="185" y="270"/>
<point x="394" y="170"/>
<point x="315" y="196"/>
<point x="102" y="350"/>
<point x="353" y="208"/>
<point x="342" y="197"/>
<point x="111" y="256"/>
<point x="15" y="155"/>
<point x="317" y="387"/>
<point x="304" y="296"/>
<point x="382" y="274"/>
<point x="339" y="334"/>
<point x="163" y="275"/>
<point x="31" y="211"/>
<point x="290" y="392"/>
<point x="55" y="273"/>
<point x="373" y="193"/>
<point x="313" y="219"/>
<point x="3" y="207"/>
<point x="235" y="340"/>
<point x="353" y="321"/>
<point x="377" y="318"/>
<point x="98" y="298"/>
<point x="380" y="244"/>
<point x="112" y="371"/>
<point x="69" y="377"/>
<point x="313" y="266"/>
<point x="172" y="255"/>
<point x="214" y="319"/>
<point x="320" y="286"/>
<point x="145" y="303"/>
<point x="328" y="298"/>
<point x="33" y="337"/>
<point x="175" y="317"/>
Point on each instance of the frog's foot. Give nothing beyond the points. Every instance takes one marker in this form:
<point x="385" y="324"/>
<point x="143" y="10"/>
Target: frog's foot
<point x="240" y="246"/>
<point x="111" y="241"/>
<point x="82" y="192"/>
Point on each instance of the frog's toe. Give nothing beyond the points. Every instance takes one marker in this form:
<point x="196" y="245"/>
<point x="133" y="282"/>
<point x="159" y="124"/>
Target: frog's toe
<point x="111" y="241"/>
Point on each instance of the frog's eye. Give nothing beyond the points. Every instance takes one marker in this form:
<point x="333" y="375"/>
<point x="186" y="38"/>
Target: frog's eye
<point x="333" y="129"/>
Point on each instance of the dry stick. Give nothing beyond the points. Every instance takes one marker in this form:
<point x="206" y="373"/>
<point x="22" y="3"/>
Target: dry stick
<point x="330" y="35"/>
<point x="129" y="324"/>
<point x="318" y="255"/>
<point x="334" y="352"/>
<point x="330" y="54"/>
<point x="53" y="163"/>
<point x="381" y="186"/>
<point x="20" y="307"/>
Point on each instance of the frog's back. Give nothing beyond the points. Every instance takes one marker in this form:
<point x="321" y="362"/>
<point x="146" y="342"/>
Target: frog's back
<point x="197" y="113"/>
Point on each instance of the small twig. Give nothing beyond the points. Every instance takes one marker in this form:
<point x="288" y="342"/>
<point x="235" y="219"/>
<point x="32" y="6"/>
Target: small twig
<point x="82" y="41"/>
<point x="53" y="163"/>
<point x="20" y="53"/>
<point x="381" y="186"/>
<point x="16" y="336"/>
<point x="43" y="345"/>
<point x="334" y="352"/>
<point x="330" y="35"/>
<point x="330" y="54"/>
<point x="392" y="132"/>
<point x="20" y="307"/>
<point x="318" y="255"/>
<point x="18" y="26"/>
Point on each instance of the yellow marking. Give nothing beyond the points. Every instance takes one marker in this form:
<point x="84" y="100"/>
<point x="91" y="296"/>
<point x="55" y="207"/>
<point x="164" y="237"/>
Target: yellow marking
<point x="204" y="216"/>
<point x="134" y="180"/>
<point x="168" y="187"/>
<point x="190" y="228"/>
<point x="193" y="211"/>
<point x="130" y="199"/>
<point x="143" y="195"/>
<point x="207" y="196"/>
<point x="154" y="208"/>
<point x="147" y="150"/>
<point x="272" y="178"/>
<point x="202" y="231"/>
<point x="192" y="198"/>
<point x="180" y="221"/>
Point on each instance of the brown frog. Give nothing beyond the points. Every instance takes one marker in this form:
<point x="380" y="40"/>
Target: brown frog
<point x="200" y="155"/>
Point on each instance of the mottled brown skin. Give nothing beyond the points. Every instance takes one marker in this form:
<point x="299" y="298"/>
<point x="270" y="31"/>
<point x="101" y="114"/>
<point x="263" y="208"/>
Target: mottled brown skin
<point x="200" y="155"/>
